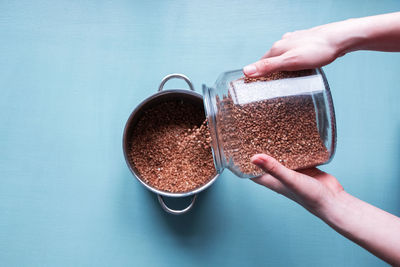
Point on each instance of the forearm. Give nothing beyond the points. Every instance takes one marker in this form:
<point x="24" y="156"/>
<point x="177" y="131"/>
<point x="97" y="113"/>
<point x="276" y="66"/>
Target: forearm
<point x="370" y="227"/>
<point x="380" y="33"/>
<point x="321" y="194"/>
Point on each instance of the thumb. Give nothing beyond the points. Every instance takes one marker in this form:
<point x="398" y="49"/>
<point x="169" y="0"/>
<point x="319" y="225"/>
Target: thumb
<point x="293" y="180"/>
<point x="265" y="66"/>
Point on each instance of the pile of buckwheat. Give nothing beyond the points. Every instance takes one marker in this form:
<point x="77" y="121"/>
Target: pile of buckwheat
<point x="170" y="147"/>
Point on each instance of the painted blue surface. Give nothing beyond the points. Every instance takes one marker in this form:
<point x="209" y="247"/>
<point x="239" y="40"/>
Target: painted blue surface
<point x="72" y="71"/>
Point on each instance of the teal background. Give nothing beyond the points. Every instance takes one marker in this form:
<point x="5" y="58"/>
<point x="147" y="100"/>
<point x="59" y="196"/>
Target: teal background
<point x="72" y="71"/>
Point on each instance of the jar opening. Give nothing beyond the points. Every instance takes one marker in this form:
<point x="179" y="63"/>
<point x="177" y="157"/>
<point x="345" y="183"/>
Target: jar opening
<point x="210" y="107"/>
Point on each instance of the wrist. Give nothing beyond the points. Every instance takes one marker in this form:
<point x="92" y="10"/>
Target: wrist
<point x="335" y="208"/>
<point x="348" y="36"/>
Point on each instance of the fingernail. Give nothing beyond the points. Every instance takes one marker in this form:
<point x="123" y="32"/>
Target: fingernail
<point x="250" y="70"/>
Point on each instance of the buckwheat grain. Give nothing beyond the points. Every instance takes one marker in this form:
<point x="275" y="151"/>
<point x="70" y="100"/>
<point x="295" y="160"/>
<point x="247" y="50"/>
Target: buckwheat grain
<point x="170" y="147"/>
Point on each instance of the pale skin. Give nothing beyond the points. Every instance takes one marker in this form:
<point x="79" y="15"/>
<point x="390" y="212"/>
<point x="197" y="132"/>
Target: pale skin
<point x="320" y="193"/>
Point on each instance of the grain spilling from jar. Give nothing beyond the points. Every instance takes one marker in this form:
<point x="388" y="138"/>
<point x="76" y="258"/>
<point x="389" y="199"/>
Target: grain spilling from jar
<point x="170" y="147"/>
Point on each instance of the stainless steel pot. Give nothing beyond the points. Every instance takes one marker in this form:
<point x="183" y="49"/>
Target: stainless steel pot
<point x="161" y="96"/>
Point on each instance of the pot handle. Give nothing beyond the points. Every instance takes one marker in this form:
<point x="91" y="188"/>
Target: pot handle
<point x="178" y="76"/>
<point x="175" y="212"/>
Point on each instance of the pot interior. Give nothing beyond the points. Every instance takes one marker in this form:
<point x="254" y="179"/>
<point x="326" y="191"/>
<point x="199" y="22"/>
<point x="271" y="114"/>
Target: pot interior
<point x="188" y="97"/>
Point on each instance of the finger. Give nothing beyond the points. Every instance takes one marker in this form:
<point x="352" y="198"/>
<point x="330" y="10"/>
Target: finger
<point x="287" y="35"/>
<point x="274" y="184"/>
<point x="270" y="182"/>
<point x="268" y="54"/>
<point x="273" y="52"/>
<point x="264" y="66"/>
<point x="277" y="49"/>
<point x="293" y="180"/>
<point x="323" y="177"/>
<point x="289" y="61"/>
<point x="313" y="172"/>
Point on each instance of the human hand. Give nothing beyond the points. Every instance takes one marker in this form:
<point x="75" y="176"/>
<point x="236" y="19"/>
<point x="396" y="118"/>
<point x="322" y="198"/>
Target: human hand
<point x="315" y="190"/>
<point x="305" y="49"/>
<point x="319" y="46"/>
<point x="321" y="194"/>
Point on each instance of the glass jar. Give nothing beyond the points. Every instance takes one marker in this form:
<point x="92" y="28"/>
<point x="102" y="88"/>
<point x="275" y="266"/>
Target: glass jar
<point x="287" y="115"/>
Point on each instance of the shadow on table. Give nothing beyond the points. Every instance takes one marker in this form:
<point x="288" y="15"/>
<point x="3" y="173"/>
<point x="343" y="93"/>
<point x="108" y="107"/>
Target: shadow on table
<point x="192" y="223"/>
<point x="140" y="208"/>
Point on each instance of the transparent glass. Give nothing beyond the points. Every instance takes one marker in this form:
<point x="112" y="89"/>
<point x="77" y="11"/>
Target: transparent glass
<point x="288" y="115"/>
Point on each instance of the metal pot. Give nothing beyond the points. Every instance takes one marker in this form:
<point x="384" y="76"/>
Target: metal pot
<point x="155" y="99"/>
